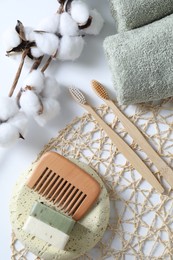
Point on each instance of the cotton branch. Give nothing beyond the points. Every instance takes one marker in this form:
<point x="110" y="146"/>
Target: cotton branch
<point x="24" y="54"/>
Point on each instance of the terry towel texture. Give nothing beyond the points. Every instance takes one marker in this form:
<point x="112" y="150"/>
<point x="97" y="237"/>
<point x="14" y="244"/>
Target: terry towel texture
<point x="130" y="14"/>
<point x="141" y="62"/>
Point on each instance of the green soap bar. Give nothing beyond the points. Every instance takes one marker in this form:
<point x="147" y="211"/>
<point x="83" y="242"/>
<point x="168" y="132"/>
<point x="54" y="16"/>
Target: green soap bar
<point x="53" y="218"/>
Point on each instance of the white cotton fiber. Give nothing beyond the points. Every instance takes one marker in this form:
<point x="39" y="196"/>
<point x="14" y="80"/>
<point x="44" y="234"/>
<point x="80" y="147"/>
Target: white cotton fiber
<point x="30" y="103"/>
<point x="47" y="42"/>
<point x="51" y="109"/>
<point x="36" y="52"/>
<point x="20" y="121"/>
<point x="79" y="11"/>
<point x="8" y="108"/>
<point x="96" y="24"/>
<point x="51" y="88"/>
<point x="70" y="48"/>
<point x="35" y="79"/>
<point x="11" y="39"/>
<point x="67" y="25"/>
<point x="29" y="34"/>
<point x="8" y="134"/>
<point x="49" y="24"/>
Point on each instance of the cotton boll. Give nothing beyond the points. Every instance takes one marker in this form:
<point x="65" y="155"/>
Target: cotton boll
<point x="51" y="88"/>
<point x="70" y="48"/>
<point x="51" y="109"/>
<point x="67" y="25"/>
<point x="49" y="24"/>
<point x="30" y="103"/>
<point x="96" y="24"/>
<point x="8" y="108"/>
<point x="29" y="34"/>
<point x="20" y="121"/>
<point x="35" y="79"/>
<point x="8" y="134"/>
<point x="47" y="42"/>
<point x="36" y="52"/>
<point x="11" y="39"/>
<point x="79" y="11"/>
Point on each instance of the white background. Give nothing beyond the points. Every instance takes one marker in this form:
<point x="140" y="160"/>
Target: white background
<point x="91" y="65"/>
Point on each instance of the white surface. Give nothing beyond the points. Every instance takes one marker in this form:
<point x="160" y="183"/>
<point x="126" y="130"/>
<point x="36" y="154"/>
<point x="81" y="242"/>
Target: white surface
<point x="91" y="65"/>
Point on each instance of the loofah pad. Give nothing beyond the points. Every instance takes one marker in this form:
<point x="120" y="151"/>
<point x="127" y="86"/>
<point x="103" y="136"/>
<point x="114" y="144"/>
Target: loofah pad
<point x="141" y="223"/>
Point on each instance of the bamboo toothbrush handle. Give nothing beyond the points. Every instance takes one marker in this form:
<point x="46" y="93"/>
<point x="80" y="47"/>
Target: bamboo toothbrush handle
<point x="139" y="138"/>
<point x="125" y="149"/>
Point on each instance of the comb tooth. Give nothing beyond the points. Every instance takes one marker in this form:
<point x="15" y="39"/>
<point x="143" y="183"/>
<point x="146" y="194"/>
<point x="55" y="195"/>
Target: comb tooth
<point x="72" y="193"/>
<point x="77" y="204"/>
<point x="48" y="188"/>
<point x="55" y="184"/>
<point x="46" y="182"/>
<point x="41" y="180"/>
<point x="73" y="201"/>
<point x="58" y="190"/>
<point x="65" y="195"/>
<point x="62" y="192"/>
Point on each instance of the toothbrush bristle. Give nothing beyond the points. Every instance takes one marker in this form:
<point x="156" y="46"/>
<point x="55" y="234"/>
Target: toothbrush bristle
<point x="99" y="89"/>
<point x="78" y="95"/>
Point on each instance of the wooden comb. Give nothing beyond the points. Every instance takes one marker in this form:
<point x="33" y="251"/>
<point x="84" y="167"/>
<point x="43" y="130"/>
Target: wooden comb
<point x="65" y="184"/>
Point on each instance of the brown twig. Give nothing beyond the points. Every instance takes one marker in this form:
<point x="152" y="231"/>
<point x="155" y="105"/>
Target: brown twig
<point x="24" y="54"/>
<point x="47" y="64"/>
<point x="19" y="94"/>
<point x="34" y="67"/>
<point x="36" y="64"/>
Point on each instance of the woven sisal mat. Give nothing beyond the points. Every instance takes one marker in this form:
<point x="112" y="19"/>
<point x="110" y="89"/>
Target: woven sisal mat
<point x="141" y="220"/>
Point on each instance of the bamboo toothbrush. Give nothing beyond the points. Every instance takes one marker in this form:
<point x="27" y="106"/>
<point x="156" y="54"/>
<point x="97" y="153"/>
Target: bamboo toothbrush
<point x="135" y="133"/>
<point x="122" y="146"/>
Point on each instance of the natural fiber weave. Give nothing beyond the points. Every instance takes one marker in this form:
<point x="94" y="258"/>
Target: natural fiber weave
<point x="141" y="220"/>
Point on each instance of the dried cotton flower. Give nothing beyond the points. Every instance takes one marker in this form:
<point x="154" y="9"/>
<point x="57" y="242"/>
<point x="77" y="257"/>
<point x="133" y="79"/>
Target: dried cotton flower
<point x="50" y="24"/>
<point x="8" y="108"/>
<point x="48" y="43"/>
<point x="20" y="121"/>
<point x="79" y="11"/>
<point x="67" y="25"/>
<point x="41" y="105"/>
<point x="36" y="52"/>
<point x="51" y="109"/>
<point x="51" y="88"/>
<point x="35" y="80"/>
<point x="60" y="36"/>
<point x="11" y="39"/>
<point x="70" y="48"/>
<point x="13" y="123"/>
<point x="96" y="24"/>
<point x="29" y="34"/>
<point x="30" y="103"/>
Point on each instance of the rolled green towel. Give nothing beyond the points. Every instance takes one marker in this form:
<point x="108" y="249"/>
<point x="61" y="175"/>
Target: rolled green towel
<point x="130" y="14"/>
<point x="141" y="62"/>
